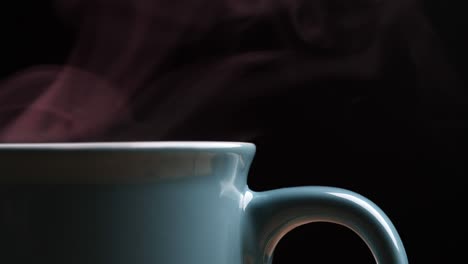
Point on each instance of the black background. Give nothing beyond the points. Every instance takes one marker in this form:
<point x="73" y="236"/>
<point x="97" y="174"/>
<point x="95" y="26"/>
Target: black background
<point x="373" y="139"/>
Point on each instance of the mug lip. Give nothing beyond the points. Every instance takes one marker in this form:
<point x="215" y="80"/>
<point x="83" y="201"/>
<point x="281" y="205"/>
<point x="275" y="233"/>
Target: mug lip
<point x="130" y="145"/>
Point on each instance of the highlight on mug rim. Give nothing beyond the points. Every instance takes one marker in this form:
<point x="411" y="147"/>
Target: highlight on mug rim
<point x="130" y="145"/>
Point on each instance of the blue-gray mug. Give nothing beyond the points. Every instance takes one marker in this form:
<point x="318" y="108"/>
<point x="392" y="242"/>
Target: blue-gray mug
<point x="162" y="203"/>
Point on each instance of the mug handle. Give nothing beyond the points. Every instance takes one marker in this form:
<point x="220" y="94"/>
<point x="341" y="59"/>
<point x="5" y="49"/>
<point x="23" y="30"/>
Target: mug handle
<point x="271" y="214"/>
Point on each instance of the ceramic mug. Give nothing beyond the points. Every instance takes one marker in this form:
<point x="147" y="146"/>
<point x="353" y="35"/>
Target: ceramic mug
<point x="162" y="202"/>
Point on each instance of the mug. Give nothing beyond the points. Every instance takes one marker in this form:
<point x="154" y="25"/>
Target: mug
<point x="164" y="203"/>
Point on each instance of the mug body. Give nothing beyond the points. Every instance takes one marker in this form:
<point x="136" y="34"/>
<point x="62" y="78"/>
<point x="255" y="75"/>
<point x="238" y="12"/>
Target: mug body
<point x="121" y="203"/>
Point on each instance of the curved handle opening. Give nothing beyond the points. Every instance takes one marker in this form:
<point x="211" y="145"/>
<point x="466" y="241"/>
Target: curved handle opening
<point x="324" y="242"/>
<point x="272" y="214"/>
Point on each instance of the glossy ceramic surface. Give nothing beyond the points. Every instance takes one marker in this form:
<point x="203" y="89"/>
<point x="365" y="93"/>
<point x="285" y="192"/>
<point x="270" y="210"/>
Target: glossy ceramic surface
<point x="162" y="202"/>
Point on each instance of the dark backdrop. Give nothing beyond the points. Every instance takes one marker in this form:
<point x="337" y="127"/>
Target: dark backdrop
<point x="377" y="106"/>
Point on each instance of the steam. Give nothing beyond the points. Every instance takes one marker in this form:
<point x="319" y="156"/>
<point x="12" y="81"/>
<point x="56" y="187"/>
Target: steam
<point x="120" y="46"/>
<point x="158" y="64"/>
<point x="54" y="103"/>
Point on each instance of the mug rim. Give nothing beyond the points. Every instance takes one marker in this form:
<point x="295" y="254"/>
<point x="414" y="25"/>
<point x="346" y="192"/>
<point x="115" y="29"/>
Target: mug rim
<point x="115" y="162"/>
<point x="137" y="145"/>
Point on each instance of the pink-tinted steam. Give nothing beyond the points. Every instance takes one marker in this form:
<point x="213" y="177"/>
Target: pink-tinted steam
<point x="54" y="104"/>
<point x="173" y="58"/>
<point x="120" y="44"/>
